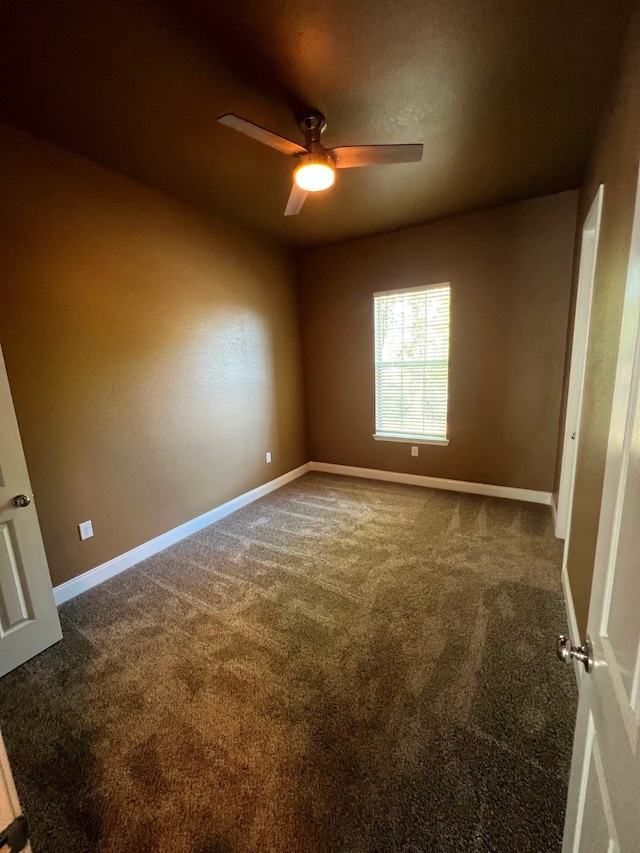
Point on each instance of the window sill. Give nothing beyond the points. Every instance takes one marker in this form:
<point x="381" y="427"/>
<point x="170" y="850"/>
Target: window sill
<point x="410" y="439"/>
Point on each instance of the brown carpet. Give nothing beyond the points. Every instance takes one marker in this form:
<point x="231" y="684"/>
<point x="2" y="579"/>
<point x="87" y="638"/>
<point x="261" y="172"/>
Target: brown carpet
<point x="345" y="665"/>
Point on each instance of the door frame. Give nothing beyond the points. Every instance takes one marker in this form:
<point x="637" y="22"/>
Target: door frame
<point x="578" y="365"/>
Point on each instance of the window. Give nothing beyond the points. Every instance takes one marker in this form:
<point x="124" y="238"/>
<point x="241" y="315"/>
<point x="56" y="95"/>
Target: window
<point x="412" y="363"/>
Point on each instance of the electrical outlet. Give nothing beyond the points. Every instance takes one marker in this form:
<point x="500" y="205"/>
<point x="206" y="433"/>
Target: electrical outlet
<point x="414" y="450"/>
<point x="86" y="530"/>
<point x="268" y="455"/>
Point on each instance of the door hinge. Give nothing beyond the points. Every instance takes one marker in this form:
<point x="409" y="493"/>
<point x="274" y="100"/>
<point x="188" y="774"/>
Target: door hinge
<point x="15" y="836"/>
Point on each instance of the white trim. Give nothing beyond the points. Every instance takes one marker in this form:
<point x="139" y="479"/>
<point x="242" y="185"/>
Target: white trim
<point x="554" y="513"/>
<point x="572" y="622"/>
<point x="435" y="483"/>
<point x="578" y="364"/>
<point x="93" y="577"/>
<point x="409" y="439"/>
<point x="419" y="289"/>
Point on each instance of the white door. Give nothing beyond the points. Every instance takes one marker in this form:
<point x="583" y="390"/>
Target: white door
<point x="28" y="616"/>
<point x="603" y="809"/>
<point x="10" y="813"/>
<point x="584" y="298"/>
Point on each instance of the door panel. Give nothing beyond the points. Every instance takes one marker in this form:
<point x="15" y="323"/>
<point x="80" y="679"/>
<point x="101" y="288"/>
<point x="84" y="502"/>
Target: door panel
<point x="28" y="616"/>
<point x="598" y="831"/>
<point x="603" y="808"/>
<point x="13" y="607"/>
<point x="622" y="628"/>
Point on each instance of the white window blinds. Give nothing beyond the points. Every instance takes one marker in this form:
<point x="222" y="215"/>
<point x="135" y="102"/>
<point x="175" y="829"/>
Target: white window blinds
<point x="412" y="361"/>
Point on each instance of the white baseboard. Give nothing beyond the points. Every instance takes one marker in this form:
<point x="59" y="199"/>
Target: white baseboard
<point x="554" y="514"/>
<point x="435" y="483"/>
<point x="574" y="633"/>
<point x="93" y="577"/>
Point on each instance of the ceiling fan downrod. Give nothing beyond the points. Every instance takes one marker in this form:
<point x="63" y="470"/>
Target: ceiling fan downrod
<point x="312" y="125"/>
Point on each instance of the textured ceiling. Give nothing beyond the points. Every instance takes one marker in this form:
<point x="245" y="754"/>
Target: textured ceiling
<point x="504" y="95"/>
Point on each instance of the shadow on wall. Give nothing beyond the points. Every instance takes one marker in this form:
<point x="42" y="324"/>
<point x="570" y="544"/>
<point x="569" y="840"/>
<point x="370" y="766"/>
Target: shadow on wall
<point x="153" y="353"/>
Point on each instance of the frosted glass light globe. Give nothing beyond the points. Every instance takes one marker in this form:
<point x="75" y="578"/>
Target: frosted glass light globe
<point x="314" y="177"/>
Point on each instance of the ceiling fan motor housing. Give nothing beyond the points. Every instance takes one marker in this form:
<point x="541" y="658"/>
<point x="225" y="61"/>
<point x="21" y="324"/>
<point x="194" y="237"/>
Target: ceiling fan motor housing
<point x="312" y="125"/>
<point x="316" y="169"/>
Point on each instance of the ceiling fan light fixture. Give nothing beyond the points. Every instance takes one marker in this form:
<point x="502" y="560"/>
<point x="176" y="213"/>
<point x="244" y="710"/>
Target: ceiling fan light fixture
<point x="316" y="165"/>
<point x="314" y="176"/>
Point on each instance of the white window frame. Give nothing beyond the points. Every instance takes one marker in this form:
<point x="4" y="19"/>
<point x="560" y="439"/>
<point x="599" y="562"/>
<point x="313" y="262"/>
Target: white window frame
<point x="404" y="438"/>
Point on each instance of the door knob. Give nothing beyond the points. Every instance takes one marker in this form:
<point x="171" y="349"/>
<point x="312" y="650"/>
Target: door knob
<point x="21" y="500"/>
<point x="567" y="652"/>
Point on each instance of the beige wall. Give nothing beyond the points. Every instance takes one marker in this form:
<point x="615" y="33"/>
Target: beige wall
<point x="510" y="274"/>
<point x="153" y="353"/>
<point x="614" y="164"/>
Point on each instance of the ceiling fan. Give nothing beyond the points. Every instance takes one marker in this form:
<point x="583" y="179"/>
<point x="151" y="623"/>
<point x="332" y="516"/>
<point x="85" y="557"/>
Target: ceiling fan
<point x="316" y="165"/>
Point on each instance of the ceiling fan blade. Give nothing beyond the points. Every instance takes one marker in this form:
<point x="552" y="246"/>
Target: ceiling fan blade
<point x="296" y="200"/>
<point x="350" y="156"/>
<point x="261" y="134"/>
